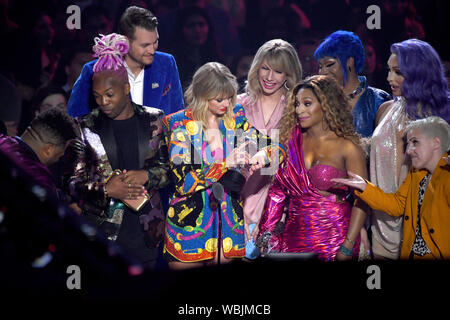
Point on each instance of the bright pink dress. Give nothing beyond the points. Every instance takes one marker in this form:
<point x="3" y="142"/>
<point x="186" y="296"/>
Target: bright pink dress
<point x="314" y="223"/>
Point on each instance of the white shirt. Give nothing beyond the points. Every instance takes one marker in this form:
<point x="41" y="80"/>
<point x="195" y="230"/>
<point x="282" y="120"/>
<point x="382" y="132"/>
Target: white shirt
<point x="136" y="85"/>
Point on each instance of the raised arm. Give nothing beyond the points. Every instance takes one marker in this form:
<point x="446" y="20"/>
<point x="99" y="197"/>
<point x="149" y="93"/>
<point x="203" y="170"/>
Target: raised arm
<point x="391" y="203"/>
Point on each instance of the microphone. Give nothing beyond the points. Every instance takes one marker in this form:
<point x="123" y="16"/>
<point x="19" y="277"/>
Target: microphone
<point x="218" y="190"/>
<point x="232" y="182"/>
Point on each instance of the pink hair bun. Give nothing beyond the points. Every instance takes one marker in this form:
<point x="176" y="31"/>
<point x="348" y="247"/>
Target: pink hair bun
<point x="110" y="50"/>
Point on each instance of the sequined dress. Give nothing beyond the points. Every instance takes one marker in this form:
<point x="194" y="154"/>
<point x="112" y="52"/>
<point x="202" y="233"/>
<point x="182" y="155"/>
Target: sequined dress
<point x="387" y="171"/>
<point x="315" y="222"/>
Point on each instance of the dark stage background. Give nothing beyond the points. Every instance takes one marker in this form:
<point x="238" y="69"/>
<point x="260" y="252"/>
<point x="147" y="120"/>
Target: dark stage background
<point x="37" y="47"/>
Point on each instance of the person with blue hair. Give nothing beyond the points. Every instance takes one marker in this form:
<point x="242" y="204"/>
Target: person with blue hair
<point x="341" y="56"/>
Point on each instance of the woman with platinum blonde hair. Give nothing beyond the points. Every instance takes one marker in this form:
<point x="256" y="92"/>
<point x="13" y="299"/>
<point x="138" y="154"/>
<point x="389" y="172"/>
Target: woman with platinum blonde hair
<point x="275" y="69"/>
<point x="422" y="198"/>
<point x="206" y="148"/>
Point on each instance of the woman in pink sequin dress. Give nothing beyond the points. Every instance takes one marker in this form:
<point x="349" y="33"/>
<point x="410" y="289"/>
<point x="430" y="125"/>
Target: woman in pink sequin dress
<point x="322" y="144"/>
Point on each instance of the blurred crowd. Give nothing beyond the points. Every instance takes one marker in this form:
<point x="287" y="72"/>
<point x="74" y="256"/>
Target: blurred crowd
<point x="42" y="58"/>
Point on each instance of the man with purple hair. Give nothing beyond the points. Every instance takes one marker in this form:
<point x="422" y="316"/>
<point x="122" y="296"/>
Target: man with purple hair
<point x="153" y="75"/>
<point x="121" y="157"/>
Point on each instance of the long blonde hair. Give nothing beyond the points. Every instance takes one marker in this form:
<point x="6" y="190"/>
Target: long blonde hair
<point x="334" y="104"/>
<point x="281" y="56"/>
<point x="210" y="81"/>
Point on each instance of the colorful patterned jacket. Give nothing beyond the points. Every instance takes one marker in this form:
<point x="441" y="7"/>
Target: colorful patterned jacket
<point x="195" y="215"/>
<point x="94" y="156"/>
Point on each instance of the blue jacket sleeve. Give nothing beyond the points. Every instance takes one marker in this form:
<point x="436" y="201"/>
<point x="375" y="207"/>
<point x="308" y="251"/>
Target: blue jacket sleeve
<point x="175" y="95"/>
<point x="78" y="104"/>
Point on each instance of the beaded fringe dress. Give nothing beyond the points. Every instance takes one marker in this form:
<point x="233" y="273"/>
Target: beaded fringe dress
<point x="388" y="169"/>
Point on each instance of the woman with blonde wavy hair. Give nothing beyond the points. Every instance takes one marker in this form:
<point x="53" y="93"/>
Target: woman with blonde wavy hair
<point x="275" y="68"/>
<point x="205" y="220"/>
<point x="317" y="128"/>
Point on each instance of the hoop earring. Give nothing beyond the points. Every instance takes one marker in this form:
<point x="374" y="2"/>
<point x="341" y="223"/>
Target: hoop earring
<point x="285" y="85"/>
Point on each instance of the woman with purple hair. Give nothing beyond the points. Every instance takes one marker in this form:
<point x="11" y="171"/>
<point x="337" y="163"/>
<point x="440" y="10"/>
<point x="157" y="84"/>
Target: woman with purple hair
<point x="417" y="81"/>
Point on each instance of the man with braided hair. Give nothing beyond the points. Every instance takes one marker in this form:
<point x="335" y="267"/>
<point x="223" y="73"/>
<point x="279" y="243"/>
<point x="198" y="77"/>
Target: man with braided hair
<point x="41" y="145"/>
<point x="124" y="138"/>
<point x="153" y="75"/>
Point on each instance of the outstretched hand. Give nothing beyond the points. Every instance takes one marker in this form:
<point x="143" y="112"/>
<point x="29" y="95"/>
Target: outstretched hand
<point x="354" y="181"/>
<point x="258" y="161"/>
<point x="447" y="159"/>
<point x="238" y="156"/>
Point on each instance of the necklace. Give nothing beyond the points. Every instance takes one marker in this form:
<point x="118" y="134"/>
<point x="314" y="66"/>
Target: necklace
<point x="362" y="84"/>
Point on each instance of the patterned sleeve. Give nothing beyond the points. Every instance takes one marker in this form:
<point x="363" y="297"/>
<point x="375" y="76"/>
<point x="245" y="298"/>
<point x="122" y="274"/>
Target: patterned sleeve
<point x="392" y="203"/>
<point x="188" y="172"/>
<point x="81" y="187"/>
<point x="157" y="165"/>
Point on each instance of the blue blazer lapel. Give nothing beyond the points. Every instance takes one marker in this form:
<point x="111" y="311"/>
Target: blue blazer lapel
<point x="148" y="98"/>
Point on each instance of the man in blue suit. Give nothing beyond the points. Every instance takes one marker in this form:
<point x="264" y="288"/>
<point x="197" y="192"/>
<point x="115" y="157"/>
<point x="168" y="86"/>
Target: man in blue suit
<point x="153" y="75"/>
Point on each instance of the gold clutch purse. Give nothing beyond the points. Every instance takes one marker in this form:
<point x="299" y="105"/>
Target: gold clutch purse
<point x="135" y="204"/>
